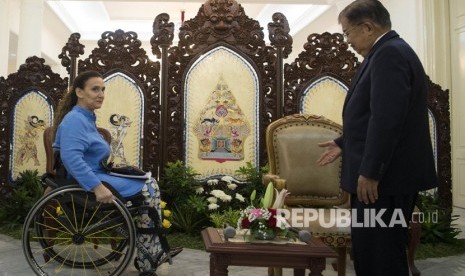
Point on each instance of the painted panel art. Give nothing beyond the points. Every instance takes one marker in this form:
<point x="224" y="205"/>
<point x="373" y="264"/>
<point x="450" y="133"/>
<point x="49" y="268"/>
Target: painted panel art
<point x="122" y="114"/>
<point x="221" y="92"/>
<point x="222" y="127"/>
<point x="32" y="114"/>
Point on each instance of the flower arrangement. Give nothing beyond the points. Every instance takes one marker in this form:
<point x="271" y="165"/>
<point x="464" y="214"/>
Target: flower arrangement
<point x="262" y="221"/>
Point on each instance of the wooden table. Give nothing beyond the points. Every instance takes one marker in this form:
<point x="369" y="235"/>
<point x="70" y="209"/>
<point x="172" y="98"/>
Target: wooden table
<point x="298" y="256"/>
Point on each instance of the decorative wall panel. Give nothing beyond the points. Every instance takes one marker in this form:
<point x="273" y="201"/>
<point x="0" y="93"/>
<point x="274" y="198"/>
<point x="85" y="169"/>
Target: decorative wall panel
<point x="324" y="97"/>
<point x="32" y="114"/>
<point x="122" y="114"/>
<point x="27" y="100"/>
<point x="222" y="103"/>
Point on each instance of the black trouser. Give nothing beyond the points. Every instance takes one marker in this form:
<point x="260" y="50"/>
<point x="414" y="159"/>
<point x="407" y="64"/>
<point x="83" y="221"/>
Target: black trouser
<point x="379" y="250"/>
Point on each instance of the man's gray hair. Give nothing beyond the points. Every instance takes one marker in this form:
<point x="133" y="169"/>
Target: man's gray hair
<point x="366" y="10"/>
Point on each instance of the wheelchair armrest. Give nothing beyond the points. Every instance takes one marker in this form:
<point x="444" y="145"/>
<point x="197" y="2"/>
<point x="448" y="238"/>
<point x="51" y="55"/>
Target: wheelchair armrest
<point x="48" y="180"/>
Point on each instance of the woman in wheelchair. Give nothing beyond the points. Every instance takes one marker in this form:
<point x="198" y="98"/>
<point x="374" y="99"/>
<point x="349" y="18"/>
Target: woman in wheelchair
<point x="82" y="148"/>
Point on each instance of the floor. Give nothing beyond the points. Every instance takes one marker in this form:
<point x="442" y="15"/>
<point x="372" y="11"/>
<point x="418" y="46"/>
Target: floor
<point x="196" y="262"/>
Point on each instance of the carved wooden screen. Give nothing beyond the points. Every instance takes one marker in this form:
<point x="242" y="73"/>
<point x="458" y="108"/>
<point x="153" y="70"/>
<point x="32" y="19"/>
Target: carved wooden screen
<point x="131" y="111"/>
<point x="27" y="101"/>
<point x="325" y="57"/>
<point x="220" y="30"/>
<point x="327" y="62"/>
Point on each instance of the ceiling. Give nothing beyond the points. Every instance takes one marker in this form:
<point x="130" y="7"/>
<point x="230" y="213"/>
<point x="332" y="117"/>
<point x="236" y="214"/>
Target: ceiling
<point x="91" y="17"/>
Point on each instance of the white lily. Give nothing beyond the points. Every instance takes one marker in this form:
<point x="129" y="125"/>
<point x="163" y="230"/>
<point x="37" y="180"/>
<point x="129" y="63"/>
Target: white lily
<point x="280" y="196"/>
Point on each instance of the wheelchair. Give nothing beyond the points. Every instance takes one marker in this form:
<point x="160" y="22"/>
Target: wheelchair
<point x="67" y="232"/>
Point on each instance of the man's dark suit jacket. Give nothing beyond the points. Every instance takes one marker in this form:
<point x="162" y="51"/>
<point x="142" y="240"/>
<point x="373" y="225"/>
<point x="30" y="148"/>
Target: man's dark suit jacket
<point x="385" y="122"/>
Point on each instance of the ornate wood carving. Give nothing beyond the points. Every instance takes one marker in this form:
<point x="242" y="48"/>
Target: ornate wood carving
<point x="69" y="54"/>
<point x="33" y="75"/>
<point x="163" y="33"/>
<point x="121" y="51"/>
<point x="324" y="55"/>
<point x="438" y="103"/>
<point x="218" y="23"/>
<point x="279" y="33"/>
<point x="280" y="38"/>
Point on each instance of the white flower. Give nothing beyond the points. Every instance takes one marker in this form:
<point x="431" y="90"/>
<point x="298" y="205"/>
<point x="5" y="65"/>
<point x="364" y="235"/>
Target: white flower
<point x="225" y="198"/>
<point x="240" y="197"/>
<point x="227" y="179"/>
<point x="212" y="182"/>
<point x="217" y="193"/>
<point x="199" y="190"/>
<point x="232" y="186"/>
<point x="213" y="206"/>
<point x="212" y="199"/>
<point x="280" y="197"/>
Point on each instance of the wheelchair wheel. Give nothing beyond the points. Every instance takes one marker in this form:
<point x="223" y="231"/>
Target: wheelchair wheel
<point x="68" y="232"/>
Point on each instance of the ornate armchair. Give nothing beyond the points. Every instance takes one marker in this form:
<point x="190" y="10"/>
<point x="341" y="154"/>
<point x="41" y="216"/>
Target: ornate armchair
<point x="292" y="146"/>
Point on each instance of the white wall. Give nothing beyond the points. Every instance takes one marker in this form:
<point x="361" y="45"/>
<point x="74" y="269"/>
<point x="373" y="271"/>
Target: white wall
<point x="457" y="23"/>
<point x="406" y="16"/>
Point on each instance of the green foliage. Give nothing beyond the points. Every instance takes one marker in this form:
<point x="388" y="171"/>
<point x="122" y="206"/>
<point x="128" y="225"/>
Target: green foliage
<point x="187" y="220"/>
<point x="24" y="194"/>
<point x="440" y="249"/>
<point x="177" y="183"/>
<point x="253" y="178"/>
<point x="437" y="224"/>
<point x="187" y="241"/>
<point x="227" y="217"/>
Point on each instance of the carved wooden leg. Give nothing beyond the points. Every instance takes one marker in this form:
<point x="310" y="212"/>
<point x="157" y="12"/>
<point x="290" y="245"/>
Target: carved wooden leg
<point x="414" y="234"/>
<point x="340" y="263"/>
<point x="317" y="265"/>
<point x="299" y="272"/>
<point x="217" y="266"/>
<point x="341" y="260"/>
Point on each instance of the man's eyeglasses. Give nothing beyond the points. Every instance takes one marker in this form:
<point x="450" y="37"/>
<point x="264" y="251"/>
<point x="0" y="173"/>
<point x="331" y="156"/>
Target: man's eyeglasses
<point x="347" y="32"/>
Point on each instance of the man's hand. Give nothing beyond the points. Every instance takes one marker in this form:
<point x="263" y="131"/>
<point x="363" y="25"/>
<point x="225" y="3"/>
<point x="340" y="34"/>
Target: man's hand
<point x="367" y="189"/>
<point x="103" y="194"/>
<point x="332" y="152"/>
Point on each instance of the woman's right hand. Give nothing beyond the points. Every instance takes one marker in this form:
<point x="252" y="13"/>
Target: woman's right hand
<point x="103" y="194"/>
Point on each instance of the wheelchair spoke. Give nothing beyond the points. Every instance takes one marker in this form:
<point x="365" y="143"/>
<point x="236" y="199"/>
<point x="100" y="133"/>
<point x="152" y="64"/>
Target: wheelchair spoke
<point x="93" y="263"/>
<point x="53" y="257"/>
<point x="59" y="222"/>
<point x="83" y="213"/>
<point x="100" y="223"/>
<point x="63" y="262"/>
<point x="74" y="211"/>
<point x="92" y="217"/>
<point x="47" y="227"/>
<point x="66" y="215"/>
<point x="106" y="229"/>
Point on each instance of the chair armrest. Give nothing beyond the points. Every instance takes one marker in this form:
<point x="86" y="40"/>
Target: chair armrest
<point x="278" y="183"/>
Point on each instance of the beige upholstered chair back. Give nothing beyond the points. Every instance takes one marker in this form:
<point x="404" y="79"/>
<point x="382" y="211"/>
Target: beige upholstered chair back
<point x="292" y="144"/>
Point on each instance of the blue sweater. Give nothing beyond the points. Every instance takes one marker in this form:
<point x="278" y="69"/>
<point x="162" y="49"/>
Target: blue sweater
<point x="82" y="149"/>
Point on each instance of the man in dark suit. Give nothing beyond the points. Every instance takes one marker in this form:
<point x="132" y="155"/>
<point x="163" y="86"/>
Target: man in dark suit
<point x="386" y="150"/>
